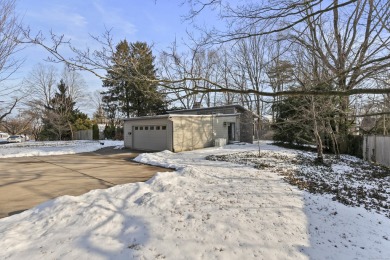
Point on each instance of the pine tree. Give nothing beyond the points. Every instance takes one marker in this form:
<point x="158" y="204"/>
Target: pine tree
<point x="291" y="125"/>
<point x="61" y="119"/>
<point x="131" y="81"/>
<point x="95" y="132"/>
<point x="56" y="120"/>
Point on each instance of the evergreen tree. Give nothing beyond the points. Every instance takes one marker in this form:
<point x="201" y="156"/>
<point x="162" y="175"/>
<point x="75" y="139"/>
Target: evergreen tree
<point x="131" y="81"/>
<point x="95" y="132"/>
<point x="291" y="125"/>
<point x="80" y="121"/>
<point x="109" y="132"/>
<point x="61" y="119"/>
<point x="56" y="120"/>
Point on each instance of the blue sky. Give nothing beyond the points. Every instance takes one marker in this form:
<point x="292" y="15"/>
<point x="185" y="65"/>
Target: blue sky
<point x="156" y="22"/>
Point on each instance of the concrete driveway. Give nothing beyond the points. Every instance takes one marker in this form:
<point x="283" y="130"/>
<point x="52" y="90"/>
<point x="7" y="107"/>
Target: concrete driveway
<point x="28" y="181"/>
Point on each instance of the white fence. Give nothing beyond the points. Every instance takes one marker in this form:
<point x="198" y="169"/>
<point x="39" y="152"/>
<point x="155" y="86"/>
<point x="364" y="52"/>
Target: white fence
<point x="376" y="148"/>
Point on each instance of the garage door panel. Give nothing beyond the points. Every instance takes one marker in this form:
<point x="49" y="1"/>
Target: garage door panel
<point x="155" y="140"/>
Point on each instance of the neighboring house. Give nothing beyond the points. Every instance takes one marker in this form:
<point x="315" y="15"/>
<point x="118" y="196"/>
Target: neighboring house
<point x="189" y="129"/>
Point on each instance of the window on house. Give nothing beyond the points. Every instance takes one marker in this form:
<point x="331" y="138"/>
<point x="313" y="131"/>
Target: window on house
<point x="158" y="127"/>
<point x="164" y="127"/>
<point x="146" y="128"/>
<point x="141" y="128"/>
<point x="152" y="128"/>
<point x="136" y="128"/>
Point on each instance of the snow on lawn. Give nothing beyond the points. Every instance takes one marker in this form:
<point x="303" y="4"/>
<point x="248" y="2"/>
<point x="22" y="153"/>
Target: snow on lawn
<point x="351" y="181"/>
<point x="44" y="148"/>
<point x="204" y="210"/>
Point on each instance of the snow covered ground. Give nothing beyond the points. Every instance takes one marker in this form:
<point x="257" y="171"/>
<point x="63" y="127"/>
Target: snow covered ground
<point x="43" y="148"/>
<point x="204" y="210"/>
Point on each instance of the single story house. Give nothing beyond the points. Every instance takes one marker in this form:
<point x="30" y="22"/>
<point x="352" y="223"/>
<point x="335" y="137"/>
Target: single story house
<point x="189" y="129"/>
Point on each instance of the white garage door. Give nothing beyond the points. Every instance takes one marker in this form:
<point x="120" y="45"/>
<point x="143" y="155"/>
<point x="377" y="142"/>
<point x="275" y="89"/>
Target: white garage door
<point x="150" y="137"/>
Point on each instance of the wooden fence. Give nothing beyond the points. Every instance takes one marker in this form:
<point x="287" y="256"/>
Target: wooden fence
<point x="376" y="148"/>
<point x="83" y="135"/>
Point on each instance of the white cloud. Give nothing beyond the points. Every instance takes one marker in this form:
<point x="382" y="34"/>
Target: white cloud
<point x="59" y="16"/>
<point x="114" y="18"/>
<point x="78" y="20"/>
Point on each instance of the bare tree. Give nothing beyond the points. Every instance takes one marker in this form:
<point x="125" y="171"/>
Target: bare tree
<point x="96" y="100"/>
<point x="365" y="22"/>
<point x="173" y="64"/>
<point x="10" y="36"/>
<point x="227" y="74"/>
<point x="41" y="83"/>
<point x="348" y="45"/>
<point x="268" y="17"/>
<point x="232" y="73"/>
<point x="18" y="124"/>
<point x="196" y="63"/>
<point x="251" y="59"/>
<point x="75" y="83"/>
<point x="35" y="115"/>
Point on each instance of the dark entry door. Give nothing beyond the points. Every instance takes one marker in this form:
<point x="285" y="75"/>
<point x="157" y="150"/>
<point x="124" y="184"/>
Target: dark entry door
<point x="231" y="132"/>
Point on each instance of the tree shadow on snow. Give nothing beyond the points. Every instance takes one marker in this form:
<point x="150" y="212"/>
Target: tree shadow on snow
<point x="108" y="229"/>
<point x="130" y="234"/>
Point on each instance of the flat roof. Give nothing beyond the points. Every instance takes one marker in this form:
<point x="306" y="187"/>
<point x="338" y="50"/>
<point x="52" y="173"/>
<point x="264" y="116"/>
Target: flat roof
<point x="147" y="117"/>
<point x="207" y="108"/>
<point x="175" y="115"/>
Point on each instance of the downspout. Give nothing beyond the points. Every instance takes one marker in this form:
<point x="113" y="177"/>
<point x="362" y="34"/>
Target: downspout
<point x="172" y="143"/>
<point x="212" y="130"/>
<point x="238" y="128"/>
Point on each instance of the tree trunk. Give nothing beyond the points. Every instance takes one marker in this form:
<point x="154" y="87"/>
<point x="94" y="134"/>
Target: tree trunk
<point x="343" y="124"/>
<point x="71" y="131"/>
<point x="320" y="155"/>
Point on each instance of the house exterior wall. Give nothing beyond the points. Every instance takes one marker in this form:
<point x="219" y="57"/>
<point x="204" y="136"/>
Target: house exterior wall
<point x="192" y="132"/>
<point x="195" y="132"/>
<point x="243" y="126"/>
<point x="127" y="134"/>
<point x="246" y="127"/>
<point x="221" y="126"/>
<point x="130" y="124"/>
<point x="184" y="132"/>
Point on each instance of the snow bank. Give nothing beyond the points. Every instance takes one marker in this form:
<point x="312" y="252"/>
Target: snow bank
<point x="204" y="210"/>
<point x="53" y="148"/>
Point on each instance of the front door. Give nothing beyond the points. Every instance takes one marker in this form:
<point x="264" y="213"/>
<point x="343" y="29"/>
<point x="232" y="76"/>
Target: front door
<point x="231" y="132"/>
